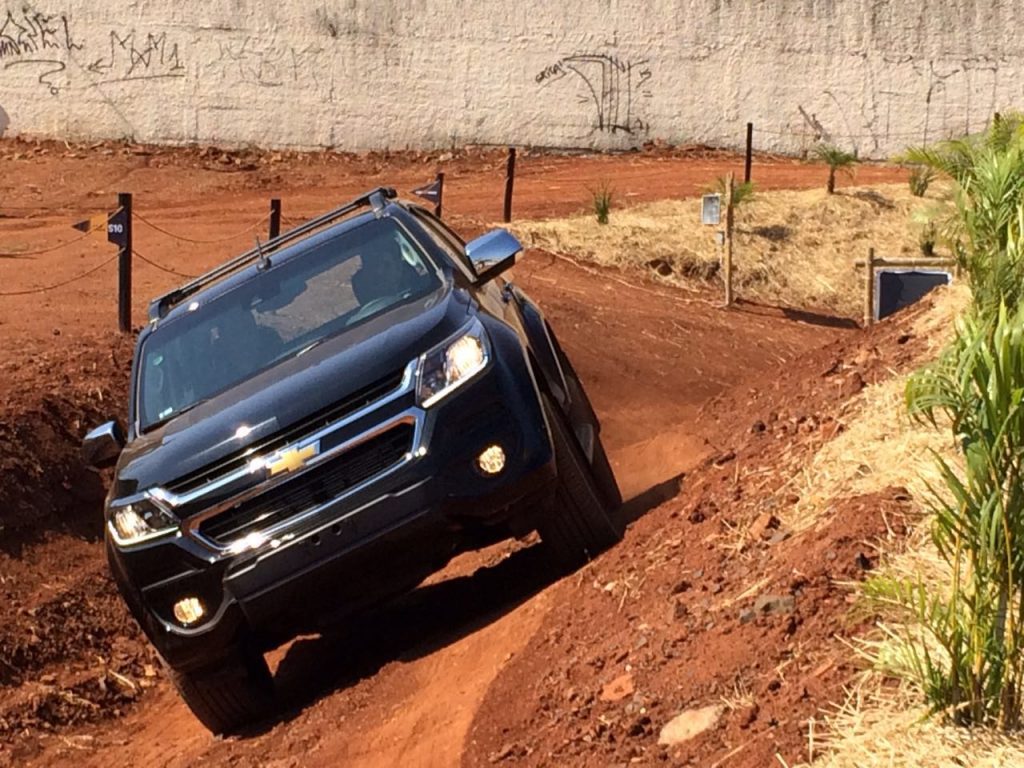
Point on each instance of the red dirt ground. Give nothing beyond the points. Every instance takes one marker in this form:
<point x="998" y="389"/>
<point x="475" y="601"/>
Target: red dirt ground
<point x="487" y="662"/>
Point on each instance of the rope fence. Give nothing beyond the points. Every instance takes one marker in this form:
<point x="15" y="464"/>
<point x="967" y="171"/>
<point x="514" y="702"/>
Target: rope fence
<point x="814" y="135"/>
<point x="52" y="248"/>
<point x="63" y="283"/>
<point x="233" y="236"/>
<point x="117" y="226"/>
<point x="161" y="267"/>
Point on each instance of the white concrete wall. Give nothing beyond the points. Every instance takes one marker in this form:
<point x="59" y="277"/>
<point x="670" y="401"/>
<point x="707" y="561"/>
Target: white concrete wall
<point x="873" y="75"/>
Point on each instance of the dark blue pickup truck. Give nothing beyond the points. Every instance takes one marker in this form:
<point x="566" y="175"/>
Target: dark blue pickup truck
<point x="318" y="424"/>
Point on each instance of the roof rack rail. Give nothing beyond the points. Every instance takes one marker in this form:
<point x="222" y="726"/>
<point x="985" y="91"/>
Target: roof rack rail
<point x="376" y="198"/>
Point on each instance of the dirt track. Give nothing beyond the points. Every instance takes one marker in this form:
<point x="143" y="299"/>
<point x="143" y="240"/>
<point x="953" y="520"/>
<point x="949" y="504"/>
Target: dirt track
<point x="435" y="679"/>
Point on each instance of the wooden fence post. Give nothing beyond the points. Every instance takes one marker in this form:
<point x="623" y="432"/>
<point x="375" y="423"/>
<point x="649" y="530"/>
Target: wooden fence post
<point x="275" y="217"/>
<point x="729" y="183"/>
<point x="440" y="193"/>
<point x="750" y="153"/>
<point x="869" y="289"/>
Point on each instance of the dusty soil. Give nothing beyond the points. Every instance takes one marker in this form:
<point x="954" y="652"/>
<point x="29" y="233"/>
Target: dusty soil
<point x="489" y="661"/>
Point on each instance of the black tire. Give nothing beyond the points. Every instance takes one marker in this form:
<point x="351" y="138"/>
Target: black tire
<point x="578" y="526"/>
<point x="601" y="468"/>
<point x="235" y="693"/>
<point x="604" y="477"/>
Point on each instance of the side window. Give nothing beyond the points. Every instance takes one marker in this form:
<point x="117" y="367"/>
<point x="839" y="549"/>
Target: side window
<point x="446" y="239"/>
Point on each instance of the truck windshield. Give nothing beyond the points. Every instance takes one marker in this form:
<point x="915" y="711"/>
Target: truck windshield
<point x="340" y="282"/>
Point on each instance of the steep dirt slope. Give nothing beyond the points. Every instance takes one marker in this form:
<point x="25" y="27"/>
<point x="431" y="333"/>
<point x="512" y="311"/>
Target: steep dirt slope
<point x="404" y="687"/>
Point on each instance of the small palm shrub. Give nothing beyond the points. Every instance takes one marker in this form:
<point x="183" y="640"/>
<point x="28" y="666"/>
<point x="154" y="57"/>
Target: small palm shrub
<point x="921" y="177"/>
<point x="742" y="191"/>
<point x="970" y="661"/>
<point x="969" y="653"/>
<point x="837" y="160"/>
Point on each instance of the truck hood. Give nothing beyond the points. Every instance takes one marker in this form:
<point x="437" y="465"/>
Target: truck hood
<point x="290" y="391"/>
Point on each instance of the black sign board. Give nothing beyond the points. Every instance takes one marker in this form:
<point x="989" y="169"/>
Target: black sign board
<point x="899" y="288"/>
<point x="117" y="228"/>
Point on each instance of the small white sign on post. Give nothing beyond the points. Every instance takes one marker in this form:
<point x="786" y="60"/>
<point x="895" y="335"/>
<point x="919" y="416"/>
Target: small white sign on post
<point x="711" y="209"/>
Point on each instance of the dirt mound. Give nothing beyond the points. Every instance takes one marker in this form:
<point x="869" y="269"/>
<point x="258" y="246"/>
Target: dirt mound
<point x="711" y="602"/>
<point x="48" y="403"/>
<point x="69" y="651"/>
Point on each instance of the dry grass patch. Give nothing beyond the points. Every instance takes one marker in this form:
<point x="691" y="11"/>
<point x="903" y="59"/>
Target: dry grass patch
<point x="884" y="722"/>
<point x="792" y="247"/>
<point x="882" y="726"/>
<point x="880" y="447"/>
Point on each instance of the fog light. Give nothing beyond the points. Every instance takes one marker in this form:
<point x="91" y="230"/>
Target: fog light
<point x="188" y="611"/>
<point x="492" y="460"/>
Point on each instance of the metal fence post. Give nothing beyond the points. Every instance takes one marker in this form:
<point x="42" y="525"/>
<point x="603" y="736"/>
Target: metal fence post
<point x="124" y="265"/>
<point x="275" y="217"/>
<point x="510" y="176"/>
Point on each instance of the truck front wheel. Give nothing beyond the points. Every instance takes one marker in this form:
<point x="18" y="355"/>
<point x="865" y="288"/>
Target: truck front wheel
<point x="234" y="693"/>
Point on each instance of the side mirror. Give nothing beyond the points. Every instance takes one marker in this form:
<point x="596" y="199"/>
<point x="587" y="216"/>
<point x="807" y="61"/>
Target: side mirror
<point x="103" y="445"/>
<point x="493" y="253"/>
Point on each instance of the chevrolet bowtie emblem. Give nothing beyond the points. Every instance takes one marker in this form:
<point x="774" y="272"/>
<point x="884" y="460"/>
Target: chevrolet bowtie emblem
<point x="292" y="459"/>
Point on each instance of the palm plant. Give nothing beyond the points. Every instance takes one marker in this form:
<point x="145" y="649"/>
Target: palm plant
<point x="979" y="525"/>
<point x="970" y="658"/>
<point x="742" y="191"/>
<point x="988" y="176"/>
<point x="836" y="159"/>
<point x="920" y="179"/>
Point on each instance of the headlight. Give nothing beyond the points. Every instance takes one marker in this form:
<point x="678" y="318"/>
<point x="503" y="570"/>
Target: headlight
<point x="140" y="521"/>
<point x="449" y="366"/>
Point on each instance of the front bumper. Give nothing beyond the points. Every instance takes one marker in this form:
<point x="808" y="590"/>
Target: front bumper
<point x="371" y="544"/>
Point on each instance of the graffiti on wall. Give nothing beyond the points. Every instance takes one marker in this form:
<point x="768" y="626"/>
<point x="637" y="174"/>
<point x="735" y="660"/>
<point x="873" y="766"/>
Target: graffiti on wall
<point x="877" y="104"/>
<point x="43" y="43"/>
<point x="131" y="56"/>
<point x="942" y="99"/>
<point x="35" y="41"/>
<point x="616" y="88"/>
<point x="273" y="64"/>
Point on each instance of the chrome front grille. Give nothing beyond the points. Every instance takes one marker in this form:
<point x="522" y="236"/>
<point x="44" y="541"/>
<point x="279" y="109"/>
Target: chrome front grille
<point x="318" y="485"/>
<point x="358" y="401"/>
<point x="245" y="501"/>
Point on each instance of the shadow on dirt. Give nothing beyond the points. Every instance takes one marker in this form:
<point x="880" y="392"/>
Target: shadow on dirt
<point x="814" y="318"/>
<point x="423" y="621"/>
<point x="75" y="511"/>
<point x="797" y="315"/>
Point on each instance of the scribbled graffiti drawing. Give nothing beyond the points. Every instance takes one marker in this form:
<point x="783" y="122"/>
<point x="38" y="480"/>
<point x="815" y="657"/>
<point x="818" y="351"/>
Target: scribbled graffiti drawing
<point x="32" y="32"/>
<point x="31" y="39"/>
<point x="50" y="67"/>
<point x="269" y="64"/>
<point x="133" y="58"/>
<point x="615" y="87"/>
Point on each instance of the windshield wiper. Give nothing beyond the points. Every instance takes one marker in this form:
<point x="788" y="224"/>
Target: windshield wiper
<point x="308" y="347"/>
